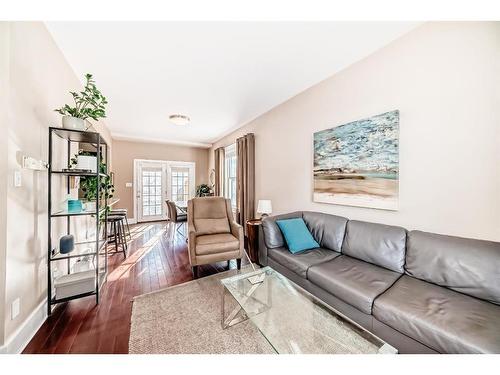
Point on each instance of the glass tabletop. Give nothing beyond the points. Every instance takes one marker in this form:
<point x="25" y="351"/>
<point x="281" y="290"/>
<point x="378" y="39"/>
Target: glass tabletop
<point x="294" y="321"/>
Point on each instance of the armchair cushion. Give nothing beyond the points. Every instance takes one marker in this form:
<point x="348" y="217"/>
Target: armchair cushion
<point x="216" y="243"/>
<point x="210" y="216"/>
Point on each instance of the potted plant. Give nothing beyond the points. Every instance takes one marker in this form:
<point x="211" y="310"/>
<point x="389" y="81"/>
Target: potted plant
<point x="204" y="190"/>
<point x="88" y="184"/>
<point x="89" y="103"/>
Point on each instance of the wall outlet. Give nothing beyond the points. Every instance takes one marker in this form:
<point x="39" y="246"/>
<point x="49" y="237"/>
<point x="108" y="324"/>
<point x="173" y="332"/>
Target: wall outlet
<point x="128" y="184"/>
<point x="18" y="179"/>
<point x="14" y="309"/>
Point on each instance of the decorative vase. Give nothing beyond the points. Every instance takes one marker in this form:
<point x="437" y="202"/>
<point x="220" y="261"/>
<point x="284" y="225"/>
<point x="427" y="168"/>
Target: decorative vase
<point x="90" y="206"/>
<point x="74" y="206"/>
<point x="87" y="162"/>
<point x="66" y="244"/>
<point x="73" y="123"/>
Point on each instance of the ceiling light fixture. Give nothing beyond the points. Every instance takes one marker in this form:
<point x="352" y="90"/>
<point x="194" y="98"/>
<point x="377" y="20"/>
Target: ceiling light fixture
<point x="179" y="119"/>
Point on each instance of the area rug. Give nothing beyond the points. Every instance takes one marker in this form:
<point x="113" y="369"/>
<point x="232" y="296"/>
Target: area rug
<point x="186" y="319"/>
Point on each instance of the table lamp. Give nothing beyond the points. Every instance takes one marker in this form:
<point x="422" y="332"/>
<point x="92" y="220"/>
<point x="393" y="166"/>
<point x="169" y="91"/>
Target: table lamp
<point x="264" y="207"/>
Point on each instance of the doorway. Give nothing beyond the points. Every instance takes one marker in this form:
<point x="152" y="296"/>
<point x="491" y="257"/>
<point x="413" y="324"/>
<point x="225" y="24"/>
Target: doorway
<point x="159" y="180"/>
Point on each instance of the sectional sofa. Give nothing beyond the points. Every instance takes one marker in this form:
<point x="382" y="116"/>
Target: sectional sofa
<point x="420" y="292"/>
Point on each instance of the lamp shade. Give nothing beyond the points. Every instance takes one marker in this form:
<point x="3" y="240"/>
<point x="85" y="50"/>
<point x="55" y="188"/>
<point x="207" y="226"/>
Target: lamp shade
<point x="264" y="206"/>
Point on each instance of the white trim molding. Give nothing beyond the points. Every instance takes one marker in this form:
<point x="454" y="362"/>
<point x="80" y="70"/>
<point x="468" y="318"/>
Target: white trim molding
<point x="17" y="341"/>
<point x="131" y="138"/>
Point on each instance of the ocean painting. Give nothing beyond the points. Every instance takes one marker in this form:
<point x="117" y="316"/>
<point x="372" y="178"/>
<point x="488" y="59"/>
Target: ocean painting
<point x="357" y="164"/>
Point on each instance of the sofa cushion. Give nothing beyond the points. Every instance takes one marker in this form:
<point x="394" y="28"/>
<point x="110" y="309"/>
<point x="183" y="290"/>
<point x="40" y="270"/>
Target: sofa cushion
<point x="356" y="282"/>
<point x="272" y="234"/>
<point x="216" y="243"/>
<point x="465" y="265"/>
<point x="447" y="321"/>
<point x="300" y="263"/>
<point x="383" y="245"/>
<point x="328" y="230"/>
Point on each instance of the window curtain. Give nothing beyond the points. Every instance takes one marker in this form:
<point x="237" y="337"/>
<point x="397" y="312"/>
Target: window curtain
<point x="245" y="179"/>
<point x="219" y="171"/>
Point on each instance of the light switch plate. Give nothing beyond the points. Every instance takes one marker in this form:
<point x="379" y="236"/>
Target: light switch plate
<point x="15" y="307"/>
<point x="128" y="184"/>
<point x="17" y="179"/>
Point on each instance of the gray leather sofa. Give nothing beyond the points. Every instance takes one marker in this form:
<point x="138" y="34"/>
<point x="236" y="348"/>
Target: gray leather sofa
<point x="420" y="292"/>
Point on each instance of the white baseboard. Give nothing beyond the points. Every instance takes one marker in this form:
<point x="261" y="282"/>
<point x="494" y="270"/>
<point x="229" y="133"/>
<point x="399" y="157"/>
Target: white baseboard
<point x="132" y="220"/>
<point x="17" y="341"/>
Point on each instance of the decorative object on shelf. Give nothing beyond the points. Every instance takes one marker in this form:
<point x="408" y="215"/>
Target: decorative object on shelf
<point x="87" y="162"/>
<point x="264" y="207"/>
<point x="357" y="164"/>
<point x="74" y="123"/>
<point x="74" y="205"/>
<point x="204" y="190"/>
<point x="75" y="284"/>
<point x="67" y="244"/>
<point x="89" y="103"/>
<point x="253" y="226"/>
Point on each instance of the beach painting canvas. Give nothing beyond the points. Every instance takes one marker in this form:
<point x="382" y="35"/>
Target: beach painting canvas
<point x="357" y="164"/>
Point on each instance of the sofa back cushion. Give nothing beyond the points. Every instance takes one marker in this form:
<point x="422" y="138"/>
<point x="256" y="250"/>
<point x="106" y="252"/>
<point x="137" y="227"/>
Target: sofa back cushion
<point x="210" y="215"/>
<point x="383" y="245"/>
<point x="465" y="265"/>
<point x="327" y="230"/>
<point x="273" y="237"/>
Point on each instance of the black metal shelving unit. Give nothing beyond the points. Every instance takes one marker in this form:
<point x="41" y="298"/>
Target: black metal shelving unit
<point x="100" y="249"/>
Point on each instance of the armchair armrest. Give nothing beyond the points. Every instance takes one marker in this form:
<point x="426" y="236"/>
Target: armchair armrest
<point x="237" y="231"/>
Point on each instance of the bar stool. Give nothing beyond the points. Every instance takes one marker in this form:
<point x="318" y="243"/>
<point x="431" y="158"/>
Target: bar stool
<point x="117" y="233"/>
<point x="122" y="212"/>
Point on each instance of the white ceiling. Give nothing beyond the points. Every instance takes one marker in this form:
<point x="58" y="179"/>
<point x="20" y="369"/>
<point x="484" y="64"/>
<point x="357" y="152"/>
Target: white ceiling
<point x="220" y="74"/>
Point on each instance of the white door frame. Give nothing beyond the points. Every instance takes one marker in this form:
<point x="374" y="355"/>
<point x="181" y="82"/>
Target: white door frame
<point x="167" y="173"/>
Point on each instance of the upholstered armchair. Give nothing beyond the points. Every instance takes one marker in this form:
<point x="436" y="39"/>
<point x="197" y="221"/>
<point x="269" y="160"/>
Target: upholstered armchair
<point x="213" y="235"/>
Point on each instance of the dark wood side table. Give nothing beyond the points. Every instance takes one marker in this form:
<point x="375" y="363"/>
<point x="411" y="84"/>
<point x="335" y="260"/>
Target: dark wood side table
<point x="253" y="239"/>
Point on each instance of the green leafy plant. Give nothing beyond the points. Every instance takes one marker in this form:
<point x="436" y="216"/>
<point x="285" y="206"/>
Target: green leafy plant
<point x="88" y="184"/>
<point x="203" y="190"/>
<point x="89" y="103"/>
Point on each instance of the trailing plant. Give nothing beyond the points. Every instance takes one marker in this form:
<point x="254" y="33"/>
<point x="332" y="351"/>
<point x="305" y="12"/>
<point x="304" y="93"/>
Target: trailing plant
<point x="88" y="184"/>
<point x="89" y="103"/>
<point x="203" y="190"/>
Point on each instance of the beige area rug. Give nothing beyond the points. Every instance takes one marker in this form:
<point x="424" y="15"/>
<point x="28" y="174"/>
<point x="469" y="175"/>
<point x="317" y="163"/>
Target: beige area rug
<point x="186" y="319"/>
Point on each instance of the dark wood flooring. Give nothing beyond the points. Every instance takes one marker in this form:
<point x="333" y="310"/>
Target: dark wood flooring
<point x="157" y="258"/>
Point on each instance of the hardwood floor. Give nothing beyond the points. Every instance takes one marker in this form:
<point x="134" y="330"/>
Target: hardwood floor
<point x="157" y="258"/>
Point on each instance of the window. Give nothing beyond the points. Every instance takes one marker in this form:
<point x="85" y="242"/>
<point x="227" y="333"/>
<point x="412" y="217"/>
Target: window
<point x="230" y="174"/>
<point x="151" y="193"/>
<point x="180" y="184"/>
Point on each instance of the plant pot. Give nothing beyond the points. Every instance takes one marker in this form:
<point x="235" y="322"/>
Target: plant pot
<point x="73" y="123"/>
<point x="87" y="162"/>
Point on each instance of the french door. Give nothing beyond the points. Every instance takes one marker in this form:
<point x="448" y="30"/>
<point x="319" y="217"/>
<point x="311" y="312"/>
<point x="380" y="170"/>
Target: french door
<point x="156" y="181"/>
<point x="150" y="191"/>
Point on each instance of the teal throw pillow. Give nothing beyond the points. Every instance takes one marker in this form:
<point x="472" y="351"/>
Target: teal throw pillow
<point x="297" y="236"/>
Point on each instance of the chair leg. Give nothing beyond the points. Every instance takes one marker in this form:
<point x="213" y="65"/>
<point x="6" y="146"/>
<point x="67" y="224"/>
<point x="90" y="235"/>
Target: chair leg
<point x="238" y="263"/>
<point x="128" y="228"/>
<point x="123" y="239"/>
<point x="195" y="271"/>
<point x="115" y="236"/>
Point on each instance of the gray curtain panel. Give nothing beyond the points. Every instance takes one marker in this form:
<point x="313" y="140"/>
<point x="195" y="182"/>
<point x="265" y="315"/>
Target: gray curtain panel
<point x="219" y="172"/>
<point x="245" y="179"/>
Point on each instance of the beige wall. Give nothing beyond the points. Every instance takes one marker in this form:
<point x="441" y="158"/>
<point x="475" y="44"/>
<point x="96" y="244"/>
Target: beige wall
<point x="124" y="153"/>
<point x="445" y="80"/>
<point x="4" y="93"/>
<point x="38" y="81"/>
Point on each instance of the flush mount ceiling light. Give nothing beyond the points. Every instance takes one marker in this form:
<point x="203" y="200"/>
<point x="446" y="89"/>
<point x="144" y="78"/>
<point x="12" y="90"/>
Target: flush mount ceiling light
<point x="179" y="119"/>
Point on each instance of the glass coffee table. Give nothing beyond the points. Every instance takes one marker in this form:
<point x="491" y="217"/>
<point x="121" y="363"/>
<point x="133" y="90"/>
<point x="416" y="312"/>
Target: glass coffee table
<point x="291" y="319"/>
